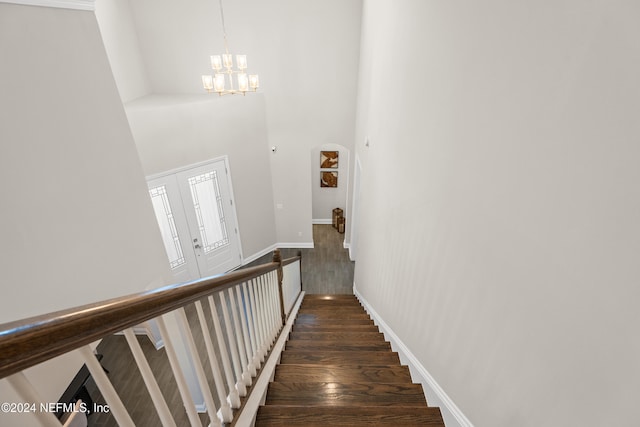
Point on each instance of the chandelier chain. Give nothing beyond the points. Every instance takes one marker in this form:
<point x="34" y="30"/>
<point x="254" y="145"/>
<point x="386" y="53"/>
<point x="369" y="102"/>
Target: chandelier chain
<point x="224" y="29"/>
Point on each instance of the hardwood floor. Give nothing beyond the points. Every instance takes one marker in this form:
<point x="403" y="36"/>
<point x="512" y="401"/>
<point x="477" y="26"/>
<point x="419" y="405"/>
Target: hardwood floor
<point x="124" y="374"/>
<point x="336" y="369"/>
<point x="326" y="268"/>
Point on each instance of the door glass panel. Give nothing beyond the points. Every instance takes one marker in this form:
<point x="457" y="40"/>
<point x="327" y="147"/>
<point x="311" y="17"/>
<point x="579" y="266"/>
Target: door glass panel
<point x="207" y="202"/>
<point x="164" y="216"/>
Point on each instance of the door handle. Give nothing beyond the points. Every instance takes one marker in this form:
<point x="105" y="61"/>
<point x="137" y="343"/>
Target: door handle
<point x="197" y="246"/>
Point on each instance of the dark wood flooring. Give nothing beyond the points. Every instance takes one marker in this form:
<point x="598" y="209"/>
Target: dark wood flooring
<point x="338" y="370"/>
<point x="128" y="382"/>
<point x="326" y="268"/>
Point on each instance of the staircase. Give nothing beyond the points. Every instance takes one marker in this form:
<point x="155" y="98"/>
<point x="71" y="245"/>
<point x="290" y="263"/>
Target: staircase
<point x="338" y="370"/>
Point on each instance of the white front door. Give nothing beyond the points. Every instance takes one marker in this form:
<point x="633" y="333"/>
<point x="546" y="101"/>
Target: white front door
<point x="197" y="219"/>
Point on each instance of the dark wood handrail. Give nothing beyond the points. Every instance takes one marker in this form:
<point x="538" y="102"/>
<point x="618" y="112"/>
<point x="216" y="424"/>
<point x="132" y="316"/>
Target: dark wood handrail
<point x="291" y="260"/>
<point x="25" y="343"/>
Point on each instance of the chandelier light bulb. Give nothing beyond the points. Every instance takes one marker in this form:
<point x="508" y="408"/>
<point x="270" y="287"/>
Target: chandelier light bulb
<point x="254" y="82"/>
<point x="227" y="60"/>
<point x="241" y="61"/>
<point x="207" y="82"/>
<point x="216" y="62"/>
<point x="218" y="83"/>
<point x="243" y="82"/>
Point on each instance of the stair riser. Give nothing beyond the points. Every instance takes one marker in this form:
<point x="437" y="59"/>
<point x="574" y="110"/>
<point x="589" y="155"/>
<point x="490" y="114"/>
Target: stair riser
<point x="337" y="336"/>
<point x="334" y="315"/>
<point x="299" y="357"/>
<point x="338" y="394"/>
<point x="334" y="328"/>
<point x="344" y="374"/>
<point x="336" y="346"/>
<point x="349" y="416"/>
<point x="345" y="323"/>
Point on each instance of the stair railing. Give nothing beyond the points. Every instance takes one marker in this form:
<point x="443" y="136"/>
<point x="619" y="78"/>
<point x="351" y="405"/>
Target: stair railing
<point x="252" y="305"/>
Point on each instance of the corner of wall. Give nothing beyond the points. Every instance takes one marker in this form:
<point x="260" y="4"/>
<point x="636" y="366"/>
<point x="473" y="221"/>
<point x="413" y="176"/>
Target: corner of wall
<point x="60" y="4"/>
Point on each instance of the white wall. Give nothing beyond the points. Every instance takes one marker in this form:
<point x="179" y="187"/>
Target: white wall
<point x="509" y="149"/>
<point x="123" y="48"/>
<point x="325" y="199"/>
<point x="77" y="225"/>
<point x="312" y="76"/>
<point x="306" y="54"/>
<point x="173" y="132"/>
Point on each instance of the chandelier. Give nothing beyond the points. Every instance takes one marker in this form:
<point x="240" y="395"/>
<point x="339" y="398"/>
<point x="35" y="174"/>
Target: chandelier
<point x="222" y="82"/>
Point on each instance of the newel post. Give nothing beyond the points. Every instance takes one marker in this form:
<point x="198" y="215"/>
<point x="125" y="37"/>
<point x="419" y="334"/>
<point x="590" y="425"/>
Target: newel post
<point x="278" y="258"/>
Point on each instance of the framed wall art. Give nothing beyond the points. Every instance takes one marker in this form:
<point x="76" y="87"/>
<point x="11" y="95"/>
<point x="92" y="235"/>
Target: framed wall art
<point x="328" y="179"/>
<point x="329" y="159"/>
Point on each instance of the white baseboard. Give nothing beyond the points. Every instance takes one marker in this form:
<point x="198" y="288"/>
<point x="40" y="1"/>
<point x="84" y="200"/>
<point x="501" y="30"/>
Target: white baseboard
<point x="322" y="221"/>
<point x="259" y="254"/>
<point x="296" y="245"/>
<point x="270" y="249"/>
<point x="436" y="396"/>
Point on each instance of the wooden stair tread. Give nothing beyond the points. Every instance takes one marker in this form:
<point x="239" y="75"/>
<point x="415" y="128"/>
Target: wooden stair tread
<point x="331" y="307"/>
<point x="301" y="357"/>
<point x="272" y="415"/>
<point x="310" y="297"/>
<point x="329" y="304"/>
<point x="328" y="312"/>
<point x="341" y="394"/>
<point x="310" y="345"/>
<point x="333" y="299"/>
<point x="342" y="373"/>
<point x="329" y="315"/>
<point x="347" y="336"/>
<point x="334" y="302"/>
<point x="334" y="327"/>
<point x="328" y="307"/>
<point x="313" y="320"/>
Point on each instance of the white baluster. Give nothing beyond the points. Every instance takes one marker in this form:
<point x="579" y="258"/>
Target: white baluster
<point x="276" y="296"/>
<point x="250" y="321"/>
<point x="150" y="381"/>
<point x="197" y="364"/>
<point x="242" y="307"/>
<point x="234" y="397"/>
<point x="268" y="307"/>
<point x="226" y="414"/>
<point x="181" y="381"/>
<point x="28" y="393"/>
<point x="240" y="386"/>
<point x="116" y="407"/>
<point x="272" y="309"/>
<point x="262" y="312"/>
<point x="255" y="308"/>
<point x="246" y="376"/>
